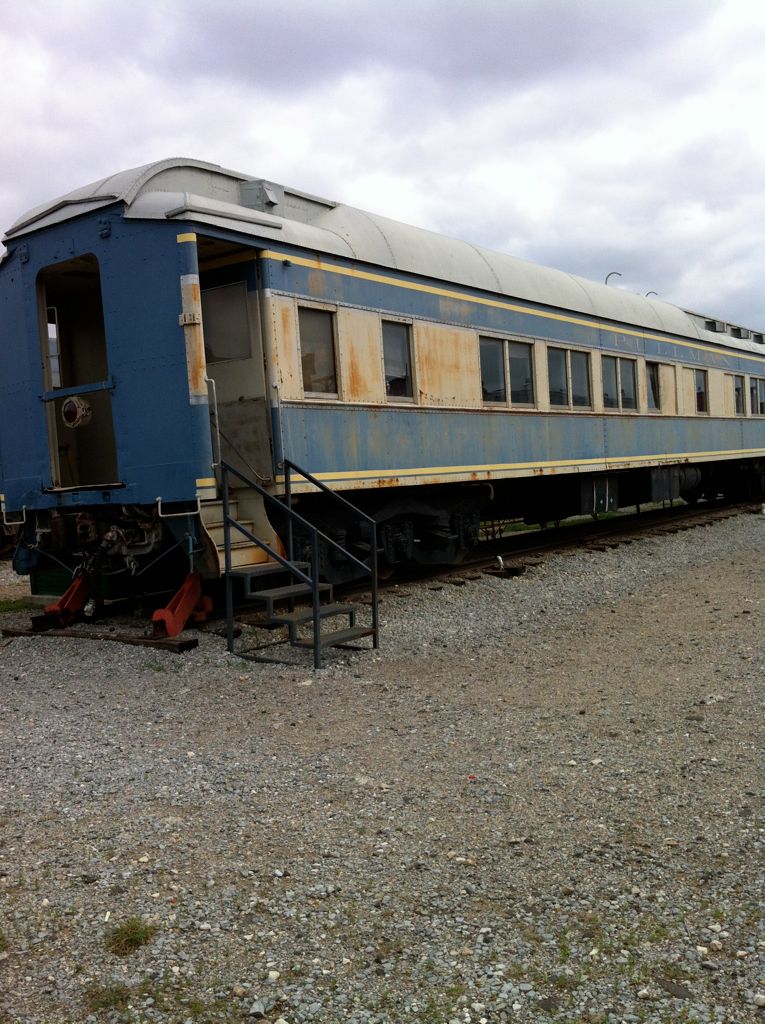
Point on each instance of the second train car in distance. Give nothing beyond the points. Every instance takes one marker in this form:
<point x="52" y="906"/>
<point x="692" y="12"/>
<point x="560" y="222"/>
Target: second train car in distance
<point x="173" y="314"/>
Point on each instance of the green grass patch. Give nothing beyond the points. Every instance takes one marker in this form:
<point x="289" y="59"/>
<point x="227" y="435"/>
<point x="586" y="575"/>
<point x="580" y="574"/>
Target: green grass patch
<point x="106" y="997"/>
<point x="129" y="936"/>
<point x="14" y="604"/>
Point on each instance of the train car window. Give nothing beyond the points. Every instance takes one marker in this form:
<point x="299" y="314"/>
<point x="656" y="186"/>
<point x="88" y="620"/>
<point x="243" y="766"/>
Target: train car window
<point x="739" y="396"/>
<point x="702" y="391"/>
<point x="493" y="386"/>
<point x="653" y="389"/>
<point x="558" y="376"/>
<point x="580" y="379"/>
<point x="54" y="350"/>
<point x="397" y="359"/>
<point x="610" y="385"/>
<point x="317" y="351"/>
<point x="226" y="322"/>
<point x="619" y="383"/>
<point x="757" y="396"/>
<point x="627" y="384"/>
<point x="521" y="373"/>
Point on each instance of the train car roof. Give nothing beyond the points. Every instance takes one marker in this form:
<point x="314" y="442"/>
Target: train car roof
<point x="183" y="189"/>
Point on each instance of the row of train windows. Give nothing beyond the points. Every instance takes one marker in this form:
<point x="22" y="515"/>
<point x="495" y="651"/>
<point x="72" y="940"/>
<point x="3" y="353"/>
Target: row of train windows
<point x="568" y="376"/>
<point x="507" y="371"/>
<point x="756" y="396"/>
<point x="317" y="354"/>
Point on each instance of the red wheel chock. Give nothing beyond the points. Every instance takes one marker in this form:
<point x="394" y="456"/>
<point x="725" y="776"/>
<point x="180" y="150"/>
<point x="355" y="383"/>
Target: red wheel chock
<point x="64" y="611"/>
<point x="188" y="601"/>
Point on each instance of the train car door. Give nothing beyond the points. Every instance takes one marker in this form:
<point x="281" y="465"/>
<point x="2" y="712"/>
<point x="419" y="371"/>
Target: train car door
<point x="234" y="355"/>
<point x="77" y="387"/>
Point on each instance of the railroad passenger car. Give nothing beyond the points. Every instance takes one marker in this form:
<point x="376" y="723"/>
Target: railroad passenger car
<point x="176" y="314"/>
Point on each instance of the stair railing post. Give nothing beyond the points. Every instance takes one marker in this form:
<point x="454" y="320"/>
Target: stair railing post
<point x="288" y="496"/>
<point x="315" y="569"/>
<point x="227" y="562"/>
<point x="375" y="623"/>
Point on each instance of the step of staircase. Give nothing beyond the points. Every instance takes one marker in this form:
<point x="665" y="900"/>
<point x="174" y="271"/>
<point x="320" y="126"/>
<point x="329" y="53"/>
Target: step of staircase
<point x="288" y="593"/>
<point x="336" y="639"/>
<point x="212" y="511"/>
<point x="244" y="552"/>
<point x="304" y="617"/>
<point x="251" y="566"/>
<point x="246" y="556"/>
<point x="217" y="532"/>
<point x="301" y="615"/>
<point x="251" y="575"/>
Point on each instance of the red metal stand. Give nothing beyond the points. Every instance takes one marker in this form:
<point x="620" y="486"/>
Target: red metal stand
<point x="187" y="602"/>
<point x="64" y="611"/>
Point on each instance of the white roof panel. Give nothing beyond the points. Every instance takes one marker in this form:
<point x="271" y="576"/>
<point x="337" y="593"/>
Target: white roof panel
<point x="205" y="193"/>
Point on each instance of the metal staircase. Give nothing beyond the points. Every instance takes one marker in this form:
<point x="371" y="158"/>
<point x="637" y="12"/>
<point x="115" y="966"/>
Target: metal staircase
<point x="248" y="560"/>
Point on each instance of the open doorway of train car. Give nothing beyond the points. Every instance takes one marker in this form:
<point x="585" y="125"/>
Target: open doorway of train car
<point x="231" y="324"/>
<point x="77" y="388"/>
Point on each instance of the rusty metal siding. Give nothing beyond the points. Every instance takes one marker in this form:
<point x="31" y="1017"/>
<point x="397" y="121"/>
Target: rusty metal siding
<point x="448" y="371"/>
<point x="359" y="344"/>
<point x="285" y="353"/>
<point x="352" y="447"/>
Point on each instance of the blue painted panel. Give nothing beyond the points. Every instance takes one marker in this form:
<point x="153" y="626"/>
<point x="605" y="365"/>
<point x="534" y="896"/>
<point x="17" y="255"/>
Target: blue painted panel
<point x="163" y="442"/>
<point x="331" y="439"/>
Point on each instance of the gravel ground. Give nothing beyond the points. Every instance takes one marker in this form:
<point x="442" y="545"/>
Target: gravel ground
<point x="540" y="801"/>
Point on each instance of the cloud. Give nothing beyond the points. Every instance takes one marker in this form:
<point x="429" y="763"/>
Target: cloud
<point x="586" y="135"/>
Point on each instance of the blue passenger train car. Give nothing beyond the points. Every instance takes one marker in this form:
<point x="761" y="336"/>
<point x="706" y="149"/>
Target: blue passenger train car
<point x="173" y="315"/>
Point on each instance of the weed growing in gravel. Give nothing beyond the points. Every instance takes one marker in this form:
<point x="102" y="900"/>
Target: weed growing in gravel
<point x="4" y="944"/>
<point x="14" y="604"/>
<point x="106" y="997"/>
<point x="130" y="936"/>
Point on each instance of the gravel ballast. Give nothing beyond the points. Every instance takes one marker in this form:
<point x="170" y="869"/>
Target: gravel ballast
<point x="541" y="800"/>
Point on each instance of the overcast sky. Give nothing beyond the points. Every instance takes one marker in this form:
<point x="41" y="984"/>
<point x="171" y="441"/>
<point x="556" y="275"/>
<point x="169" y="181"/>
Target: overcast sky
<point x="588" y="135"/>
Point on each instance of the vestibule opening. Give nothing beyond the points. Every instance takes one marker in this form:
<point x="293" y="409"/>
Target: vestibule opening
<point x="231" y="322"/>
<point x="77" y="389"/>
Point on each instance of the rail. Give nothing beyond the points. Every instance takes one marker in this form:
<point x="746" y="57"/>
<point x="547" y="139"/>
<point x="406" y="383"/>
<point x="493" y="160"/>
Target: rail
<point x="294" y="518"/>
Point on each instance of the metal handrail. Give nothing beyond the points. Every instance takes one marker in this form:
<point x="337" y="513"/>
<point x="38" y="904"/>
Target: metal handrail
<point x="211" y="386"/>
<point x="316" y="534"/>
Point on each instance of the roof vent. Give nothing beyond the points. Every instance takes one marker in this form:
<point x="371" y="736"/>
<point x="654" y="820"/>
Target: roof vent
<point x="262" y="195"/>
<point x="740" y="332"/>
<point x="758" y="338"/>
<point x="718" y="326"/>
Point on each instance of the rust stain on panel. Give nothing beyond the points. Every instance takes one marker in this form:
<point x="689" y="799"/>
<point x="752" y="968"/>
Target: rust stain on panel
<point x="191" y="319"/>
<point x="448" y="372"/>
<point x="285" y="350"/>
<point x="360" y="356"/>
<point x="317" y="283"/>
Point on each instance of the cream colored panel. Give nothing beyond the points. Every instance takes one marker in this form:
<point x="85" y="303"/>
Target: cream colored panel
<point x="642" y="386"/>
<point x="668" y="389"/>
<point x="286" y="355"/>
<point x="360" y="347"/>
<point x="716" y="396"/>
<point x="729" y="388"/>
<point x="448" y="369"/>
<point x="688" y="407"/>
<point x="596" y="381"/>
<point x="541" y="378"/>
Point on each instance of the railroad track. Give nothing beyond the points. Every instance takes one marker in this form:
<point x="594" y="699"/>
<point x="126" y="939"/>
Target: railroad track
<point x="512" y="555"/>
<point x="506" y="556"/>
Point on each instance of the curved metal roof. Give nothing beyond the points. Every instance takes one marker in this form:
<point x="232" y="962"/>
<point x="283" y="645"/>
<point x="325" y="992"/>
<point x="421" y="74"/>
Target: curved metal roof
<point x="186" y="189"/>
